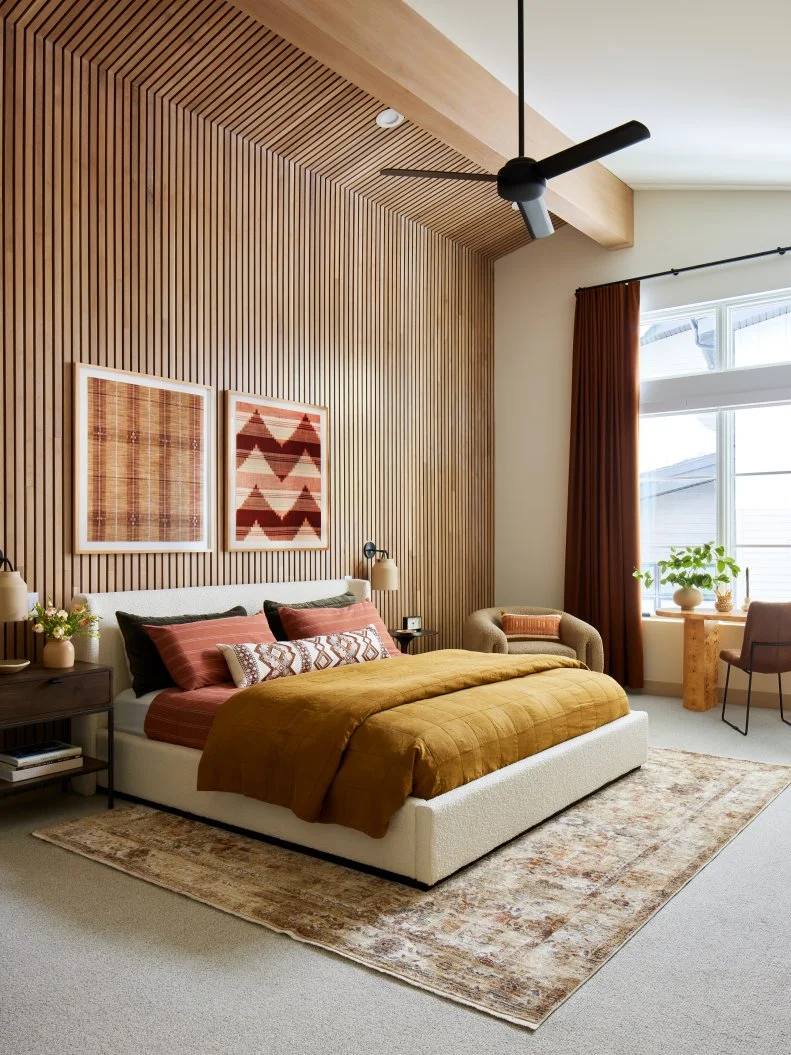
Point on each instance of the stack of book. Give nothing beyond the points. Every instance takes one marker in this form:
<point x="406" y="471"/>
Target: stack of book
<point x="39" y="760"/>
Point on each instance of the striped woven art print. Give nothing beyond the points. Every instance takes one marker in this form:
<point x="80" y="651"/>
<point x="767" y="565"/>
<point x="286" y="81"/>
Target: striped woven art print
<point x="142" y="447"/>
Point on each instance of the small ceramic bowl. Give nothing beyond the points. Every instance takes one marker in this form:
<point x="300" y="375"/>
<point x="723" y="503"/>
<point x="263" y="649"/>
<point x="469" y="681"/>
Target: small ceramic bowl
<point x="11" y="666"/>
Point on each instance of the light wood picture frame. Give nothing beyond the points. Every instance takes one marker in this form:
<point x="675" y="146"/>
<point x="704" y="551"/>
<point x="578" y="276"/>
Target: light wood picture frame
<point x="277" y="474"/>
<point x="144" y="463"/>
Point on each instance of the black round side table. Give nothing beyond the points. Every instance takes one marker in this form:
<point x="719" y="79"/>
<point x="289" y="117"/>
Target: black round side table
<point x="406" y="637"/>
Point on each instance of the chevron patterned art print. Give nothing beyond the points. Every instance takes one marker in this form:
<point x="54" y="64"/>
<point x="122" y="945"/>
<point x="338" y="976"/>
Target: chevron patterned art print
<point x="277" y="474"/>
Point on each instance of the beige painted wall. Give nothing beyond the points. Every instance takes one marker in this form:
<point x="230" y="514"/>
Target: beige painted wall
<point x="534" y="317"/>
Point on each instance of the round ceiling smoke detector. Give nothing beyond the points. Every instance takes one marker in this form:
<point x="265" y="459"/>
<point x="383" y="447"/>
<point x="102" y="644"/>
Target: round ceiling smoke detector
<point x="389" y="118"/>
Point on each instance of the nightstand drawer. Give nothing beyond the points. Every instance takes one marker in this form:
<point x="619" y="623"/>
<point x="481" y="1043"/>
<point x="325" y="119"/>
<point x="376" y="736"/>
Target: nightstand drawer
<point x="54" y="694"/>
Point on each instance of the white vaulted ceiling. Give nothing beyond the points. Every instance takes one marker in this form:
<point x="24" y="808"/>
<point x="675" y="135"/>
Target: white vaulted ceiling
<point x="710" y="79"/>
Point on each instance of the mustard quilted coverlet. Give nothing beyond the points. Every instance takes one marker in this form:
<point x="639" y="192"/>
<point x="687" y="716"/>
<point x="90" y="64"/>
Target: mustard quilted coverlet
<point x="350" y="745"/>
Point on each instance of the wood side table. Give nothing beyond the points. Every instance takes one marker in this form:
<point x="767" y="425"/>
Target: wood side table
<point x="701" y="652"/>
<point x="44" y="694"/>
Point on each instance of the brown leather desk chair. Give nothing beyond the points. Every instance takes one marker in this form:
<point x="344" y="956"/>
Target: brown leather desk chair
<point x="766" y="649"/>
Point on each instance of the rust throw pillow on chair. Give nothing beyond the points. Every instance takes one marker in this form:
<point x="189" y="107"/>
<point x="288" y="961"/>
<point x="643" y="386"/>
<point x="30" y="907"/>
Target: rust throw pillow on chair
<point x="518" y="627"/>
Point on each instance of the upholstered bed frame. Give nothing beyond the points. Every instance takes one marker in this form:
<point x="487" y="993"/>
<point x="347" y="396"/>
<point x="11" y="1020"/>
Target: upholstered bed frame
<point x="428" y="839"/>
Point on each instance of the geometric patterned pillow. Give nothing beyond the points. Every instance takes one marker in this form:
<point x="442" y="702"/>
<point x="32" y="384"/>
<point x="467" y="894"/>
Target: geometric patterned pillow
<point x="251" y="664"/>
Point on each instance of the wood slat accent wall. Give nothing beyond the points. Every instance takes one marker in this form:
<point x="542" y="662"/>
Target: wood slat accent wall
<point x="211" y="58"/>
<point x="140" y="235"/>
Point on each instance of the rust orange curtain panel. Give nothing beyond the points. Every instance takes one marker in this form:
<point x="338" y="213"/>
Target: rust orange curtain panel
<point x="602" y="530"/>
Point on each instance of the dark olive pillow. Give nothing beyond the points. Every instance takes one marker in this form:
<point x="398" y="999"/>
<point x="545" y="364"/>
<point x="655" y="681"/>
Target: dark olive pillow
<point x="271" y="609"/>
<point x="148" y="671"/>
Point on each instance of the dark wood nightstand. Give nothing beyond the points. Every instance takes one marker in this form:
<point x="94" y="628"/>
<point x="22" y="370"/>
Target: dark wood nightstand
<point x="44" y="694"/>
<point x="406" y="637"/>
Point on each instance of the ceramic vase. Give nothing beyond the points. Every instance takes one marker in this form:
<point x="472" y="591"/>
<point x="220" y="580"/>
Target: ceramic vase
<point x="687" y="598"/>
<point x="58" y="653"/>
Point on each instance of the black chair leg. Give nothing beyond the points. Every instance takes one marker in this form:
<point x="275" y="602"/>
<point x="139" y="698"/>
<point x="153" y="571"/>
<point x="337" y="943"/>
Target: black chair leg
<point x="780" y="694"/>
<point x="749" y="698"/>
<point x="725" y="694"/>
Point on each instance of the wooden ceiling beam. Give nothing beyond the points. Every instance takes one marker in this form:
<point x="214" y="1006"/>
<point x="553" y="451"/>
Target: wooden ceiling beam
<point x="386" y="48"/>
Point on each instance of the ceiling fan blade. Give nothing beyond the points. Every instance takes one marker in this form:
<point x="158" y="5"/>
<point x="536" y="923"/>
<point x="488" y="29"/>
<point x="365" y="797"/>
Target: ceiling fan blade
<point x="536" y="217"/>
<point x="480" y="177"/>
<point x="593" y="149"/>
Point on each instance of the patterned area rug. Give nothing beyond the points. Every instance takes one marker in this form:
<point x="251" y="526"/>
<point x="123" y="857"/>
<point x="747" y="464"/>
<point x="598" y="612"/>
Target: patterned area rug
<point x="514" y="934"/>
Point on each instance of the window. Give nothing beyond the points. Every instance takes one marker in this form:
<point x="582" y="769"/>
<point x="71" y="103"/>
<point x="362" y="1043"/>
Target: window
<point x="762" y="499"/>
<point x="761" y="333"/>
<point x="715" y="438"/>
<point x="678" y="345"/>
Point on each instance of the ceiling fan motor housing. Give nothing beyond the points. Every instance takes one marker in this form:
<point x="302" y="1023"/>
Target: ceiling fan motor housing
<point x="520" y="179"/>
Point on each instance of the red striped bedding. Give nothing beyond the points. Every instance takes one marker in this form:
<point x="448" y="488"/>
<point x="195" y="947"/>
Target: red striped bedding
<point x="179" y="717"/>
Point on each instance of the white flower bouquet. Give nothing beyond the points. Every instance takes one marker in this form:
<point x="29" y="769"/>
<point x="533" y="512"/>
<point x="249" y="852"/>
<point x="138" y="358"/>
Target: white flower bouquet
<point x="59" y="624"/>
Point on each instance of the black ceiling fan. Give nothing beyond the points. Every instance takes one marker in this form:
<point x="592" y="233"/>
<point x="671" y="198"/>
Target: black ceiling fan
<point x="523" y="180"/>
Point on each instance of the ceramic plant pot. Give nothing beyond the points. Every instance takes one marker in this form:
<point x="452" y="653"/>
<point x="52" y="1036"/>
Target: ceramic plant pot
<point x="688" y="598"/>
<point x="58" y="653"/>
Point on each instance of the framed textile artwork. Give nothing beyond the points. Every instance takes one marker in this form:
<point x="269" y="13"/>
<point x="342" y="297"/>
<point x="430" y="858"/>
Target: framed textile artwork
<point x="143" y="459"/>
<point x="277" y="474"/>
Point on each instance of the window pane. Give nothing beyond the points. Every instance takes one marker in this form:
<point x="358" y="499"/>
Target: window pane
<point x="676" y="346"/>
<point x="762" y="333"/>
<point x="762" y="499"/>
<point x="678" y="500"/>
<point x="763" y="439"/>
<point x="763" y="510"/>
<point x="770" y="572"/>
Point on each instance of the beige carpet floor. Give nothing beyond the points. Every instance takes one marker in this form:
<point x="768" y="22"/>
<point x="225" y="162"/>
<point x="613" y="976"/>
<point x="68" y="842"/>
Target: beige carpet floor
<point x="99" y="963"/>
<point x="513" y="935"/>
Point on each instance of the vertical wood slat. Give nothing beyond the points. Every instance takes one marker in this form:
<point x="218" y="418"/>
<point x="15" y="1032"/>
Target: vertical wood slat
<point x="140" y="235"/>
<point x="210" y="58"/>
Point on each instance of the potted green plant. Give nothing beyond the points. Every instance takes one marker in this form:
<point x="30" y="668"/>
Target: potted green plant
<point x="692" y="569"/>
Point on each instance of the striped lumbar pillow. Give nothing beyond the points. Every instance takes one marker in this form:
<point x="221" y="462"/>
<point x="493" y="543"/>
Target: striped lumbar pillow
<point x="189" y="651"/>
<point x="531" y="627"/>
<point x="250" y="664"/>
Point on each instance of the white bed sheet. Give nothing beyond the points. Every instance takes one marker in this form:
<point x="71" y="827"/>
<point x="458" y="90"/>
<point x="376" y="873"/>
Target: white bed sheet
<point x="130" y="711"/>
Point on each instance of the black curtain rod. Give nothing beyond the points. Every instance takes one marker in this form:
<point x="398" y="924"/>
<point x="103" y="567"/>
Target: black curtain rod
<point x="781" y="249"/>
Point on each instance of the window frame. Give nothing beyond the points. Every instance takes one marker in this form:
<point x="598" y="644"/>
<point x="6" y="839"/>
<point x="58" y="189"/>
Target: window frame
<point x="723" y="390"/>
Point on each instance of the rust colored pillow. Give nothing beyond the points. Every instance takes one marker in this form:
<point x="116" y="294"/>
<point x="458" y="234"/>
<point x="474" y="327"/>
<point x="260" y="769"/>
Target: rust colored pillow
<point x="531" y="627"/>
<point x="318" y="622"/>
<point x="190" y="653"/>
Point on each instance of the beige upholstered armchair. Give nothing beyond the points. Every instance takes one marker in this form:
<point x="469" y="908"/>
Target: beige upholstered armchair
<point x="483" y="633"/>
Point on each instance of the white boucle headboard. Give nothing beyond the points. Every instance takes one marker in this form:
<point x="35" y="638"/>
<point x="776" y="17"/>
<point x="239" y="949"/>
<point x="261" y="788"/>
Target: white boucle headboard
<point x="191" y="600"/>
